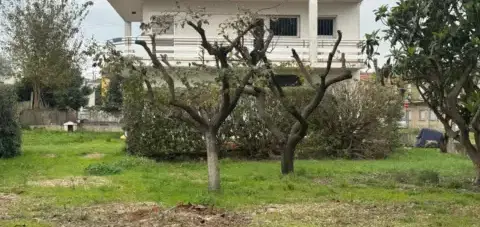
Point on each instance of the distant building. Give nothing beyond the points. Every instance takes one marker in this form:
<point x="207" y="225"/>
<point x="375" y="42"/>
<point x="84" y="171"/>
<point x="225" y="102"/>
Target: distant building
<point x="418" y="114"/>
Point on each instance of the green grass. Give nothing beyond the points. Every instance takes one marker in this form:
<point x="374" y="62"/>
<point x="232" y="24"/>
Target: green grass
<point x="433" y="181"/>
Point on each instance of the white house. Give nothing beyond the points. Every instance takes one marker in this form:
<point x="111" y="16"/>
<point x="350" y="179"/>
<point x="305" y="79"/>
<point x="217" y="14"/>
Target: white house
<point x="309" y="26"/>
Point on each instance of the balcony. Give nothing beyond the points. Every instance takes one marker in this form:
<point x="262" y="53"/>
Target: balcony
<point x="183" y="50"/>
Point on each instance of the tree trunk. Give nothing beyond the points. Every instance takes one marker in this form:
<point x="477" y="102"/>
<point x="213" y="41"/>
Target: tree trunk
<point x="476" y="163"/>
<point x="451" y="147"/>
<point x="288" y="156"/>
<point x="36" y="96"/>
<point x="212" y="161"/>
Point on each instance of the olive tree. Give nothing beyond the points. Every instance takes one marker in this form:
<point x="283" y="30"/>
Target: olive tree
<point x="229" y="78"/>
<point x="288" y="140"/>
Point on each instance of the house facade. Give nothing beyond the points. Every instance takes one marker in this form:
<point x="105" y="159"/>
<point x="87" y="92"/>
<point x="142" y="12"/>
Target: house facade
<point x="309" y="26"/>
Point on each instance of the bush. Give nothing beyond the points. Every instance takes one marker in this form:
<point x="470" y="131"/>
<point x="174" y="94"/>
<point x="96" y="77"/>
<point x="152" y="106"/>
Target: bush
<point x="369" y="111"/>
<point x="102" y="169"/>
<point x="355" y="121"/>
<point x="151" y="132"/>
<point x="10" y="132"/>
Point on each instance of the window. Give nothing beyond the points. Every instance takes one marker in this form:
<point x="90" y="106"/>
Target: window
<point x="423" y="115"/>
<point x="165" y="25"/>
<point x="284" y="26"/>
<point x="433" y="117"/>
<point x="407" y="116"/>
<point x="325" y="26"/>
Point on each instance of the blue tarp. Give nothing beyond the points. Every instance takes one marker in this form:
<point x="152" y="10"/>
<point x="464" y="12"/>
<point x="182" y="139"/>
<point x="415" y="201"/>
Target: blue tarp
<point x="428" y="134"/>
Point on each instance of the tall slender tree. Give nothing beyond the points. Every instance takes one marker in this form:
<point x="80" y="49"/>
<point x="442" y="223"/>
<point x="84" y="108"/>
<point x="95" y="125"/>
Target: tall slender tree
<point x="42" y="40"/>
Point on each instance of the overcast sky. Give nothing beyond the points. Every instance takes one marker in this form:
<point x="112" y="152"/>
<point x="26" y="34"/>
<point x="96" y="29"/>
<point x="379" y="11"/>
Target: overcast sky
<point x="104" y="23"/>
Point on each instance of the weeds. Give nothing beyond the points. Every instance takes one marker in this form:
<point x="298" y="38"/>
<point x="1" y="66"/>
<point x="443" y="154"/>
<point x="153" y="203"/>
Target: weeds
<point x="102" y="169"/>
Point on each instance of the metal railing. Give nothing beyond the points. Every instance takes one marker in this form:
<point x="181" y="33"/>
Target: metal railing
<point x="189" y="48"/>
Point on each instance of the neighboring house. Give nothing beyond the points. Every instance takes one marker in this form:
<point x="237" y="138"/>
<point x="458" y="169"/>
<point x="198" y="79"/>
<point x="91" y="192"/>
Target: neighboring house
<point x="418" y="114"/>
<point x="309" y="26"/>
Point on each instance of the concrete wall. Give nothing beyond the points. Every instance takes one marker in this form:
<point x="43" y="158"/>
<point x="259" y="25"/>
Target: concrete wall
<point x="347" y="14"/>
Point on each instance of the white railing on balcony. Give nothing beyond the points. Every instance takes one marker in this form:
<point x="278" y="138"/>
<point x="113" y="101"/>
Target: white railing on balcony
<point x="181" y="49"/>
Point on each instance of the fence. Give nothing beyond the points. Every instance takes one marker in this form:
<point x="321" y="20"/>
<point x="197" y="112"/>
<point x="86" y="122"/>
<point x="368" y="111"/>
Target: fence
<point x="46" y="117"/>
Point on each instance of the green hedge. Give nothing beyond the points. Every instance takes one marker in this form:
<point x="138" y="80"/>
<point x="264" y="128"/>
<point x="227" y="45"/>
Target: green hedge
<point x="153" y="133"/>
<point x="10" y="133"/>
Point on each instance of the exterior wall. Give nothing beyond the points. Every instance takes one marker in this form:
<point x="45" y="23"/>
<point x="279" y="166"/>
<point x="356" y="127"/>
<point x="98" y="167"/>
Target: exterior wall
<point x="415" y="122"/>
<point x="347" y="14"/>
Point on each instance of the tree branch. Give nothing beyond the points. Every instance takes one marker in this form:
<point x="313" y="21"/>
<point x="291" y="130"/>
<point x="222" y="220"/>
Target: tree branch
<point x="303" y="70"/>
<point x="205" y="44"/>
<point x="475" y="123"/>
<point x="156" y="64"/>
<point x="330" y="58"/>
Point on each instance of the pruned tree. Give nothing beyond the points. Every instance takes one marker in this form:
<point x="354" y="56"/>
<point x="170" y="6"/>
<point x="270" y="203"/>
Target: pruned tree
<point x="229" y="81"/>
<point x="435" y="46"/>
<point x="42" y="41"/>
<point x="288" y="141"/>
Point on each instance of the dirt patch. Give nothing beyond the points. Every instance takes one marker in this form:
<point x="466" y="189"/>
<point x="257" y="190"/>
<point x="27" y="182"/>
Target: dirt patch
<point x="7" y="201"/>
<point x="333" y="214"/>
<point x="147" y="214"/>
<point x="94" y="156"/>
<point x="50" y="156"/>
<point x="91" y="181"/>
<point x="322" y="181"/>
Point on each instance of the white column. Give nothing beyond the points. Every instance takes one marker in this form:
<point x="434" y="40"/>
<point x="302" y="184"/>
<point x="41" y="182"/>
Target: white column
<point x="312" y="29"/>
<point x="128" y="34"/>
<point x="128" y="28"/>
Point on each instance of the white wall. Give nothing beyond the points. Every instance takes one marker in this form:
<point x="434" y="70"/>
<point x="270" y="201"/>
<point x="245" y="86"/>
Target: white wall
<point x="10" y="80"/>
<point x="347" y="14"/>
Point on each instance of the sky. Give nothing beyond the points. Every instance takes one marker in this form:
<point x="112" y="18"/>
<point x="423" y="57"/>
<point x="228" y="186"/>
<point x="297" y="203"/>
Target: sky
<point x="104" y="23"/>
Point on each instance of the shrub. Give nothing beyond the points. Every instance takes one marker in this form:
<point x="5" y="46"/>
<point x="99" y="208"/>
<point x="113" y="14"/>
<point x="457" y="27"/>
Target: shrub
<point x="10" y="132"/>
<point x="355" y="121"/>
<point x="102" y="169"/>
<point x="428" y="177"/>
<point x="369" y="111"/>
<point x="151" y="132"/>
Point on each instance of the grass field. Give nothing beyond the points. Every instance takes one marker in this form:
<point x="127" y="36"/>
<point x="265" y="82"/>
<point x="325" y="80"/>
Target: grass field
<point x="85" y="179"/>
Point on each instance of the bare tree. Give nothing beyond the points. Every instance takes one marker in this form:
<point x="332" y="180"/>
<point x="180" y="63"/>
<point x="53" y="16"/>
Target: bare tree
<point x="288" y="141"/>
<point x="230" y="86"/>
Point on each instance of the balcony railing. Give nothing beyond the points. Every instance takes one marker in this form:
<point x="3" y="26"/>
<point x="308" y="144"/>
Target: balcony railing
<point x="183" y="50"/>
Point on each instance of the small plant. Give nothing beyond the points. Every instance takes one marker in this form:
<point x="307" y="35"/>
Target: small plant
<point x="402" y="177"/>
<point x="301" y="172"/>
<point x="102" y="169"/>
<point x="428" y="177"/>
<point x="206" y="199"/>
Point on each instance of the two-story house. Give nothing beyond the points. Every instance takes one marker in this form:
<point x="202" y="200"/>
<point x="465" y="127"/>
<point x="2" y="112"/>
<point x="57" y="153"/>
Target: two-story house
<point x="309" y="26"/>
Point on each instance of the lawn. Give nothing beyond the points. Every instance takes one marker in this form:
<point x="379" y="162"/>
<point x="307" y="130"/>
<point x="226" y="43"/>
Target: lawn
<point x="85" y="179"/>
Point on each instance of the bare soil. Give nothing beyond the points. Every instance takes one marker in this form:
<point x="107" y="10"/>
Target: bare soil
<point x="147" y="214"/>
<point x="94" y="156"/>
<point x="7" y="201"/>
<point x="84" y="181"/>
